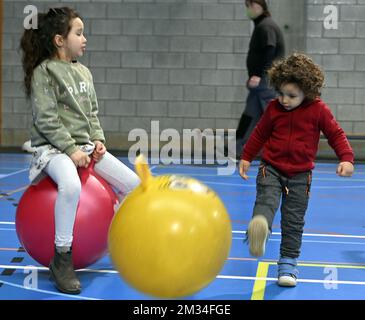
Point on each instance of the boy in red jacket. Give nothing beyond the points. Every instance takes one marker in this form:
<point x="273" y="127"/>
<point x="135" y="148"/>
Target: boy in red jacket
<point x="288" y="134"/>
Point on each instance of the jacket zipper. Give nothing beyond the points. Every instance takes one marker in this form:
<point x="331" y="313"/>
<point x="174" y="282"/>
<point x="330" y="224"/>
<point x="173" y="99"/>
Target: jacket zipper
<point x="290" y="135"/>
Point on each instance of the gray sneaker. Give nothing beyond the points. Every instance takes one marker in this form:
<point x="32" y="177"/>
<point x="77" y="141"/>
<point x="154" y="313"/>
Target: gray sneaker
<point x="258" y="231"/>
<point x="287" y="281"/>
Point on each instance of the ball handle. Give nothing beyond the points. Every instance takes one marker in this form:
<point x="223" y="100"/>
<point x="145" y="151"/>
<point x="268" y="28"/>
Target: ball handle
<point x="143" y="171"/>
<point x="91" y="164"/>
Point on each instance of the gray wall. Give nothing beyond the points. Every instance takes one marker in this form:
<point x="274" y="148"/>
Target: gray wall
<point x="341" y="53"/>
<point x="183" y="61"/>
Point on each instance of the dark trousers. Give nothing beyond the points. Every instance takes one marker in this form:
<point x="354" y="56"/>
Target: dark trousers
<point x="256" y="103"/>
<point x="293" y="192"/>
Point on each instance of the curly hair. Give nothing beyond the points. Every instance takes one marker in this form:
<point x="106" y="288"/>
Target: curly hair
<point x="299" y="69"/>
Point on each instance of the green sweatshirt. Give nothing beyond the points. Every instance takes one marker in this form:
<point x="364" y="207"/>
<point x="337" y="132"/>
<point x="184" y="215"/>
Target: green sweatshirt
<point x="64" y="106"/>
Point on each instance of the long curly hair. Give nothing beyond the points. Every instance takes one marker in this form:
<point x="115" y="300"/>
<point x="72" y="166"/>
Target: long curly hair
<point x="299" y="69"/>
<point x="38" y="44"/>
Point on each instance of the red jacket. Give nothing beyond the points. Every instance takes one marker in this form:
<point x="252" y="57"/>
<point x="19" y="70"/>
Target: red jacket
<point x="290" y="138"/>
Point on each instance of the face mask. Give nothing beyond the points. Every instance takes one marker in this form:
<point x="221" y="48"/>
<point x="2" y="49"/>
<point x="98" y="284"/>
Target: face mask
<point x="251" y="14"/>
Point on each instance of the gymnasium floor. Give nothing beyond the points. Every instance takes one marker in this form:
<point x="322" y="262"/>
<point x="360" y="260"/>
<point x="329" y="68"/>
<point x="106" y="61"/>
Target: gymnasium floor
<point x="332" y="263"/>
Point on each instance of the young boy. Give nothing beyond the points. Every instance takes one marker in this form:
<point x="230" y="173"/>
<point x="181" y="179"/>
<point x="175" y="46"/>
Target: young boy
<point x="289" y="133"/>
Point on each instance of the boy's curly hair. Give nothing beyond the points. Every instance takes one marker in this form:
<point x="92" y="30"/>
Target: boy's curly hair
<point x="300" y="69"/>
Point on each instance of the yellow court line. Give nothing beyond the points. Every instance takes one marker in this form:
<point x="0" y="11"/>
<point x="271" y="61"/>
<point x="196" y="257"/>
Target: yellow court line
<point x="258" y="291"/>
<point x="259" y="286"/>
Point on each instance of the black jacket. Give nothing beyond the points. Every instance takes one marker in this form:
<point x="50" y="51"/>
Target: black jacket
<point x="266" y="45"/>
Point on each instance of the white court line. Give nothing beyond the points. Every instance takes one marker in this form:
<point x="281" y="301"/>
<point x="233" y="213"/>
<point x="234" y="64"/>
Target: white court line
<point x="239" y="177"/>
<point x="11" y="168"/>
<point x="4" y="266"/>
<point x="218" y="277"/>
<point x="273" y="233"/>
<point x="298" y="280"/>
<point x="316" y="235"/>
<point x="235" y="238"/>
<point x="243" y="184"/>
<point x="334" y="171"/>
<point x="47" y="291"/>
<point x="337" y="187"/>
<point x="23" y="170"/>
<point x="313" y="241"/>
<point x="30" y="267"/>
<point x="13" y="173"/>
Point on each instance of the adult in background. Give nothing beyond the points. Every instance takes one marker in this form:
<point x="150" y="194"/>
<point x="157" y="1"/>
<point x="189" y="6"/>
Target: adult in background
<point x="266" y="46"/>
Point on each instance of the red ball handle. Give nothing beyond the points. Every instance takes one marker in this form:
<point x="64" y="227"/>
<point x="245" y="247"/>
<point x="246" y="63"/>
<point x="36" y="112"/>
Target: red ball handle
<point x="91" y="164"/>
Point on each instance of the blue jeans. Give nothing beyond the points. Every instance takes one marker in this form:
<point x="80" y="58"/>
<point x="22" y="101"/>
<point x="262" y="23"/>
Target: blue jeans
<point x="63" y="172"/>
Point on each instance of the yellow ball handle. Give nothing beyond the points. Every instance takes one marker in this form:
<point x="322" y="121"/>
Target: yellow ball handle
<point x="143" y="171"/>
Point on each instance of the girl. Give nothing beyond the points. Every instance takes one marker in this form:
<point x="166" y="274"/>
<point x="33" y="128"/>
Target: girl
<point x="66" y="131"/>
<point x="289" y="133"/>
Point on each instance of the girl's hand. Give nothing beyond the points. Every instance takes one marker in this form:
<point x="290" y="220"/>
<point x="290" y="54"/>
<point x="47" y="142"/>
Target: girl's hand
<point x="244" y="167"/>
<point x="345" y="169"/>
<point x="80" y="159"/>
<point x="99" y="150"/>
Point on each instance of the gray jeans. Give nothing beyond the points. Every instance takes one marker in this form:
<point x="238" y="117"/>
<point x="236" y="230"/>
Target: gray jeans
<point x="63" y="172"/>
<point x="294" y="193"/>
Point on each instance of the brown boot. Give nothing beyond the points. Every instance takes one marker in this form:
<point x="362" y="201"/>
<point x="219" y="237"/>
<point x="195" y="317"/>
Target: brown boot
<point x="63" y="273"/>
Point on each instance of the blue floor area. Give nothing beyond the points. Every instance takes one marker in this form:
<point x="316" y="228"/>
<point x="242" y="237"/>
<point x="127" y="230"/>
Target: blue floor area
<point x="331" y="265"/>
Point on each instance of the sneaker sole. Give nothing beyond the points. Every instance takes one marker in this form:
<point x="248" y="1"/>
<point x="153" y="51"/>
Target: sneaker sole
<point x="257" y="234"/>
<point x="287" y="281"/>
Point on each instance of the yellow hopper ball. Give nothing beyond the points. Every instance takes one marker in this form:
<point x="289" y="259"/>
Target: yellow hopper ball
<point x="171" y="236"/>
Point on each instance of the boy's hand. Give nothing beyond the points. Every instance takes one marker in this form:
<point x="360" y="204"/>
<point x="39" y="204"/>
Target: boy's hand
<point x="345" y="169"/>
<point x="244" y="166"/>
<point x="80" y="159"/>
<point x="99" y="150"/>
